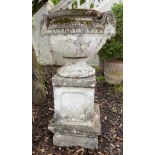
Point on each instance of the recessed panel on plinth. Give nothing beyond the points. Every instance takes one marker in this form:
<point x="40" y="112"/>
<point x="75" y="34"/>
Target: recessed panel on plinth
<point x="73" y="104"/>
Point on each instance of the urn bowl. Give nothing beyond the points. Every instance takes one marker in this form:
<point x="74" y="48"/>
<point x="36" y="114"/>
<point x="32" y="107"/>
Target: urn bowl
<point x="76" y="35"/>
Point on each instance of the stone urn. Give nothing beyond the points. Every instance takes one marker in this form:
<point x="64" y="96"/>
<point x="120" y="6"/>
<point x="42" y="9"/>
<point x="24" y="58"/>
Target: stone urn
<point x="76" y="35"/>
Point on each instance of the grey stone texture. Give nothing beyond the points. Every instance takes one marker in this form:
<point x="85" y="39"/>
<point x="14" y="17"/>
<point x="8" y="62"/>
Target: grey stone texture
<point x="76" y="135"/>
<point x="76" y="140"/>
<point x="38" y="88"/>
<point x="76" y="35"/>
<point x="88" y="82"/>
<point x="76" y="120"/>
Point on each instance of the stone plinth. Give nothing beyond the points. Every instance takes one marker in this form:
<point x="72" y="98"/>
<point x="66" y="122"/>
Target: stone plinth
<point x="76" y="120"/>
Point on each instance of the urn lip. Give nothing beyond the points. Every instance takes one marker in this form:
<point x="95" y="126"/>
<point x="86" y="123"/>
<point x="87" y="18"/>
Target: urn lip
<point x="76" y="13"/>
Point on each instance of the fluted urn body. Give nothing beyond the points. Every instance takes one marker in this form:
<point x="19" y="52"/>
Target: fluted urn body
<point x="76" y="35"/>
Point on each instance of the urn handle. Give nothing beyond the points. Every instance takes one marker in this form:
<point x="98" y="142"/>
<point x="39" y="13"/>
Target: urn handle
<point x="108" y="19"/>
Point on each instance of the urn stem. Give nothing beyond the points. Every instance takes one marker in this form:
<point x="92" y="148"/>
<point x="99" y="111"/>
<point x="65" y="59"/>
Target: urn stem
<point x="76" y="68"/>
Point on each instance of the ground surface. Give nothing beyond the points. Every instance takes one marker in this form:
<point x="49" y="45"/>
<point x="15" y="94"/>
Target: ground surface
<point x="109" y="98"/>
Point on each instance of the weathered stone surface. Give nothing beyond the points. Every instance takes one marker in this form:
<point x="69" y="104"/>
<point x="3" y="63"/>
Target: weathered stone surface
<point x="74" y="99"/>
<point x="77" y="135"/>
<point x="77" y="35"/>
<point x="90" y="130"/>
<point x="88" y="82"/>
<point x="76" y="68"/>
<point x="57" y="59"/>
<point x="74" y="105"/>
<point x="38" y="89"/>
<point x="76" y="120"/>
<point x="76" y="140"/>
<point x="41" y="44"/>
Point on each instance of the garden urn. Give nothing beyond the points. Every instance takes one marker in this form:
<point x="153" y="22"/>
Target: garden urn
<point x="76" y="35"/>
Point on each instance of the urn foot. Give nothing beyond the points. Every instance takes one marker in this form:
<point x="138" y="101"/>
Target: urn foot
<point x="76" y="68"/>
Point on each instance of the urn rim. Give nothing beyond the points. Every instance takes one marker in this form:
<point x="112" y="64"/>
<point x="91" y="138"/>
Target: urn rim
<point x="76" y="13"/>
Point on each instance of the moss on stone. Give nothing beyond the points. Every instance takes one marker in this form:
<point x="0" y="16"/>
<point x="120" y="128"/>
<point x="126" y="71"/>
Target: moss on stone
<point x="71" y="20"/>
<point x="76" y="13"/>
<point x="63" y="21"/>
